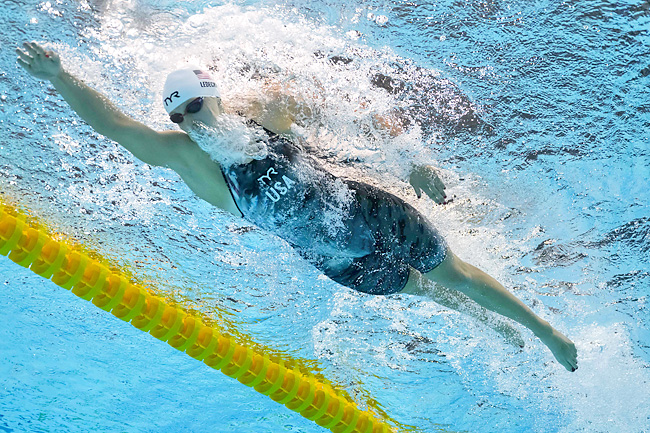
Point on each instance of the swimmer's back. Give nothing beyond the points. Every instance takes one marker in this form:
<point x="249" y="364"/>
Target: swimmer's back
<point x="358" y="235"/>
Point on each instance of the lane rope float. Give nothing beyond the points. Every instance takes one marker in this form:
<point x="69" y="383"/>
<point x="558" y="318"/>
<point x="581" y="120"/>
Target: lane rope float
<point x="28" y="244"/>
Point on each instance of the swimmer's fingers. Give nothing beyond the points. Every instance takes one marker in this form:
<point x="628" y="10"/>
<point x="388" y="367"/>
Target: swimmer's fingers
<point x="434" y="194"/>
<point x="419" y="181"/>
<point x="38" y="62"/>
<point x="436" y="189"/>
<point x="24" y="64"/>
<point x="425" y="178"/>
<point x="438" y="183"/>
<point x="39" y="49"/>
<point x="440" y="196"/>
<point x="422" y="184"/>
<point x="418" y="190"/>
<point x="26" y="58"/>
<point x="27" y="46"/>
<point x="32" y="49"/>
<point x="440" y="187"/>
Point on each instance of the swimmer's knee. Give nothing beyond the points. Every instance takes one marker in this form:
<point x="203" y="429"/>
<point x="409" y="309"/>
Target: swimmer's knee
<point x="415" y="283"/>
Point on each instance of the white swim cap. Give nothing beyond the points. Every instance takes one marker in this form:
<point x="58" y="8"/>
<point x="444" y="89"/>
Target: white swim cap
<point x="185" y="84"/>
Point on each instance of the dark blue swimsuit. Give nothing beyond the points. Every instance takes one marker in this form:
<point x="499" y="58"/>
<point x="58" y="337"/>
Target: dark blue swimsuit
<point x="358" y="235"/>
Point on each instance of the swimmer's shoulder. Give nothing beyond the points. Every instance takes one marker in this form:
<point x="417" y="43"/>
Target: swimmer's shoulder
<point x="199" y="171"/>
<point x="177" y="151"/>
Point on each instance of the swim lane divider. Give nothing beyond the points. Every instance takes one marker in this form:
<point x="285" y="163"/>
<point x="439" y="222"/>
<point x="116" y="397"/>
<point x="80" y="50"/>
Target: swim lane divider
<point x="30" y="246"/>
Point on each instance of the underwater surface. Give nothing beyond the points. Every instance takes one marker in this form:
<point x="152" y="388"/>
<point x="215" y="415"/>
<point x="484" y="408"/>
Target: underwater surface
<point x="536" y="115"/>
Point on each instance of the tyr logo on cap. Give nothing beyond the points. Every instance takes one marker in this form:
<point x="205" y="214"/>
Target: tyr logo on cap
<point x="168" y="100"/>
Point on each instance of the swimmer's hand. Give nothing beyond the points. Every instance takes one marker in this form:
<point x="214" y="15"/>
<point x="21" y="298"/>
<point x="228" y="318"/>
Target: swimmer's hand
<point x="40" y="63"/>
<point x="425" y="178"/>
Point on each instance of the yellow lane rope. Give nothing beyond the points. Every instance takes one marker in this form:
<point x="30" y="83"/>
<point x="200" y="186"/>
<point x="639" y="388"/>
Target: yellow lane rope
<point x="29" y="245"/>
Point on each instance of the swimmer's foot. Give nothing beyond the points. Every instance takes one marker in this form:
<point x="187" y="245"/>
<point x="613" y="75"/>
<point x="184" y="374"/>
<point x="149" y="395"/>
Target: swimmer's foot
<point x="562" y="348"/>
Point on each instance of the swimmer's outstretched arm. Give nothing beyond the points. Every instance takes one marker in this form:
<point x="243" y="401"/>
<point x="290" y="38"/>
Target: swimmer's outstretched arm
<point x="423" y="177"/>
<point x="173" y="149"/>
<point x="146" y="144"/>
<point x="280" y="105"/>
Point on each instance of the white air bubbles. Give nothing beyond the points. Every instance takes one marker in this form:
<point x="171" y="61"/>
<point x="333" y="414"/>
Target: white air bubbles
<point x="47" y="7"/>
<point x="380" y="20"/>
<point x="252" y="50"/>
<point x="114" y="25"/>
<point x="353" y="35"/>
<point x="196" y="20"/>
<point x="334" y="215"/>
<point x="608" y="367"/>
<point x="229" y="141"/>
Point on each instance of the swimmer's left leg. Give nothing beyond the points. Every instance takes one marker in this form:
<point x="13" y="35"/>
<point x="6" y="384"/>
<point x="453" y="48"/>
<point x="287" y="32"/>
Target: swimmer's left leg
<point x="455" y="300"/>
<point x="453" y="273"/>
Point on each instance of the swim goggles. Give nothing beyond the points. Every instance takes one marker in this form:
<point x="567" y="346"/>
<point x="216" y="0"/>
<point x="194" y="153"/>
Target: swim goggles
<point x="193" y="107"/>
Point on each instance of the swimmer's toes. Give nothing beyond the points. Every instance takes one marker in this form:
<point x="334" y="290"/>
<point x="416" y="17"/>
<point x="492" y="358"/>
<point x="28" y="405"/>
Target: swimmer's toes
<point x="563" y="349"/>
<point x="564" y="361"/>
<point x="573" y="360"/>
<point x="571" y="352"/>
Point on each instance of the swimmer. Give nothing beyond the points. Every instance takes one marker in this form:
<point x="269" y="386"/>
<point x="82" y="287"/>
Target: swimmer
<point x="359" y="236"/>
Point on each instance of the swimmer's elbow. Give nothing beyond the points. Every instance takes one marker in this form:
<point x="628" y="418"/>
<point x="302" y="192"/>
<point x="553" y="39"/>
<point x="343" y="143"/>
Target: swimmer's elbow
<point x="118" y="128"/>
<point x="146" y="144"/>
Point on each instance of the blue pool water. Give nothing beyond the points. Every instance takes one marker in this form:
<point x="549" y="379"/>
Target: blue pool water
<point x="538" y="117"/>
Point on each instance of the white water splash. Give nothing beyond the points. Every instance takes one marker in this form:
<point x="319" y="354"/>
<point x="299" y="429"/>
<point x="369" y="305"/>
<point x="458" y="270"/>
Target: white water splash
<point x="229" y="141"/>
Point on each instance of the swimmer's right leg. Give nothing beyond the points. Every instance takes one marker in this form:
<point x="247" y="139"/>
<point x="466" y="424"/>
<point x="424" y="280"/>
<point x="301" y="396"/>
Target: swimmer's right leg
<point x="455" y="274"/>
<point x="418" y="284"/>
